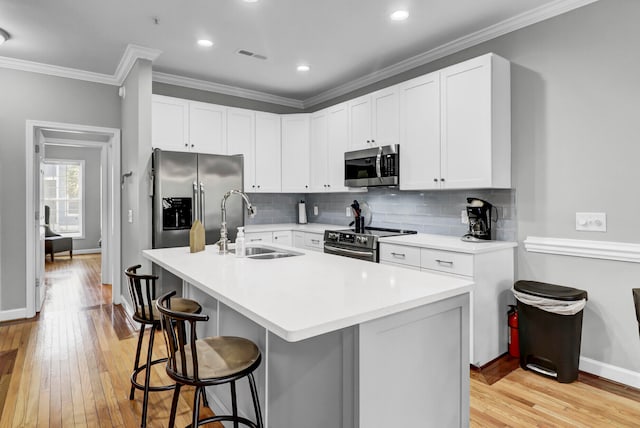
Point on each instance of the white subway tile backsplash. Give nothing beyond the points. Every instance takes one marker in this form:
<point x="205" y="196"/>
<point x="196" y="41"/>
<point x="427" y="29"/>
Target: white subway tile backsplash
<point x="436" y="212"/>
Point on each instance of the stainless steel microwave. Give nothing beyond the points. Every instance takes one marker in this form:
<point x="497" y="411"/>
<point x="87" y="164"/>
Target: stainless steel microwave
<point x="377" y="166"/>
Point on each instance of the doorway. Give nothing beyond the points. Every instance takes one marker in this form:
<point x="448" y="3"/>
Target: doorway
<point x="107" y="142"/>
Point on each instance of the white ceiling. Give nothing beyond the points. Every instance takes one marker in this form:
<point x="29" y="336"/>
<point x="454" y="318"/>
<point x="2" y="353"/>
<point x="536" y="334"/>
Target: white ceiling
<point x="341" y="40"/>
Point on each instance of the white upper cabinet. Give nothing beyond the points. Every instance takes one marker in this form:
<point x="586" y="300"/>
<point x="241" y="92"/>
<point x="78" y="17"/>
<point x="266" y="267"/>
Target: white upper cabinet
<point x="420" y="133"/>
<point x="296" y="132"/>
<point x="455" y="127"/>
<point x="337" y="144"/>
<point x="329" y="138"/>
<point x="169" y="123"/>
<point x="241" y="140"/>
<point x="476" y="124"/>
<point x="318" y="152"/>
<point x="207" y="128"/>
<point x="374" y="119"/>
<point x="267" y="154"/>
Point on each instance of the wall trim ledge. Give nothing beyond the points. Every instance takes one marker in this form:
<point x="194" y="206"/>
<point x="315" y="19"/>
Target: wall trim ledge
<point x="606" y="250"/>
<point x="611" y="372"/>
<point x="13" y="314"/>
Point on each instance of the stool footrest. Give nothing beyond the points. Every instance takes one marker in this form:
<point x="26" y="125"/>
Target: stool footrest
<point x="140" y="386"/>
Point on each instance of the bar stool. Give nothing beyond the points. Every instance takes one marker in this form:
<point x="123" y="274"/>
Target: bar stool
<point x="142" y="289"/>
<point x="206" y="362"/>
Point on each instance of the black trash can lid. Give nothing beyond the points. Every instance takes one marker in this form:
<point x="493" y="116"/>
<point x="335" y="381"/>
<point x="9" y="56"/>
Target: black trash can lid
<point x="551" y="291"/>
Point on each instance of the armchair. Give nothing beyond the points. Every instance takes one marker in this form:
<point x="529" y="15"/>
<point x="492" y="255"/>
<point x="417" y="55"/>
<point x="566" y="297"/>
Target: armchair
<point x="53" y="242"/>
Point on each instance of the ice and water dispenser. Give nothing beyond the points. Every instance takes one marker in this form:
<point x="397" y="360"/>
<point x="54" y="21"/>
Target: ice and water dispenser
<point x="176" y="213"/>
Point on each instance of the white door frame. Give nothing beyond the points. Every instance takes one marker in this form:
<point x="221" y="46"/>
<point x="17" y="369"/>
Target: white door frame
<point x="111" y="239"/>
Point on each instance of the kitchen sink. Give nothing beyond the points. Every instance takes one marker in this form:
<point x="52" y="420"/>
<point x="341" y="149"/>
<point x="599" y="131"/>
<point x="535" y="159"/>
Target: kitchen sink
<point x="267" y="253"/>
<point x="270" y="256"/>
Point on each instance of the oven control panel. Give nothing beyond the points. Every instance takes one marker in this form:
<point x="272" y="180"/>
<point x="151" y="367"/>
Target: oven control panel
<point x="350" y="239"/>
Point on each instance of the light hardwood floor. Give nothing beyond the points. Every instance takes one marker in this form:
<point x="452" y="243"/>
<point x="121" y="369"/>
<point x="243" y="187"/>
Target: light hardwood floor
<point x="70" y="366"/>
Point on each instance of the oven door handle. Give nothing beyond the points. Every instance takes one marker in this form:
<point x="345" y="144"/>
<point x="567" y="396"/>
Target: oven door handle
<point x="346" y="251"/>
<point x="378" y="164"/>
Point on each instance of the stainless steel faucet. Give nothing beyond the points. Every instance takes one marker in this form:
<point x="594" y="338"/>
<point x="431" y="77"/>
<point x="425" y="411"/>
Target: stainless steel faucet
<point x="223" y="243"/>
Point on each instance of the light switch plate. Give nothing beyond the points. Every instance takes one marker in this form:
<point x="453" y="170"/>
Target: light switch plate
<point x="591" y="222"/>
<point x="348" y="212"/>
<point x="315" y="210"/>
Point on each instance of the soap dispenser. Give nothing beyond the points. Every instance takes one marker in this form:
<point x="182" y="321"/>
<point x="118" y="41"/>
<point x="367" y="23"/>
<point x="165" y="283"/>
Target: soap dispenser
<point x="240" y="248"/>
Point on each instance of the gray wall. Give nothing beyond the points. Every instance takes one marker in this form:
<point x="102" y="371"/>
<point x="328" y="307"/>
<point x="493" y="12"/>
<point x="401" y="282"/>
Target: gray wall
<point x="31" y="96"/>
<point x="136" y="157"/>
<point x="91" y="156"/>
<point x="222" y="99"/>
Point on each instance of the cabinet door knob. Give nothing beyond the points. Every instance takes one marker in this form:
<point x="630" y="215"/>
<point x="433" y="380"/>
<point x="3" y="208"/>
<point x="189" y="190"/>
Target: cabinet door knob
<point x="192" y="145"/>
<point x="442" y="179"/>
<point x="253" y="186"/>
<point x="306" y="186"/>
<point x="373" y="141"/>
<point x="435" y="180"/>
<point x="186" y="145"/>
<point x="328" y="185"/>
<point x="258" y="186"/>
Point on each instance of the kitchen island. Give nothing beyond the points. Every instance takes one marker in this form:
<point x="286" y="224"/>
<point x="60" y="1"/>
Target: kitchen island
<point x="346" y="343"/>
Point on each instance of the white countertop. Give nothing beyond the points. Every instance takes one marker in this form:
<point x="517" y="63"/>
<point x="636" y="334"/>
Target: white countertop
<point x="308" y="227"/>
<point x="448" y="243"/>
<point x="305" y="296"/>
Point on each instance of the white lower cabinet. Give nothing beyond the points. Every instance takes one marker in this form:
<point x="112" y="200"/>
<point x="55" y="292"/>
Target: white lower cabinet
<point x="258" y="237"/>
<point x="283" y="237"/>
<point x="493" y="274"/>
<point x="309" y="240"/>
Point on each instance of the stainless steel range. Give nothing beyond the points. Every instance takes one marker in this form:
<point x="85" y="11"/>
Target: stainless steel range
<point x="363" y="245"/>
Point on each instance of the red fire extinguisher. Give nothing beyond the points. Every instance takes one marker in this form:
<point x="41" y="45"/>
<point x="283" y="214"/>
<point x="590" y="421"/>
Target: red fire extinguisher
<point x="514" y="342"/>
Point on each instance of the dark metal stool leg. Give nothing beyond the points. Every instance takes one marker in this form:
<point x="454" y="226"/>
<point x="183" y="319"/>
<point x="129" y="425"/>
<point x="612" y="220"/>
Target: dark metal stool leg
<point x="174" y="405"/>
<point x="136" y="364"/>
<point x="196" y="408"/>
<point x="205" y="402"/>
<point x="147" y="378"/>
<point x="234" y="404"/>
<point x="256" y="400"/>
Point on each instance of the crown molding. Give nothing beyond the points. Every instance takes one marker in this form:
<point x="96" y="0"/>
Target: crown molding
<point x="618" y="251"/>
<point x="204" y="85"/>
<point x="134" y="52"/>
<point x="55" y="70"/>
<point x="508" y="25"/>
<point x="131" y="54"/>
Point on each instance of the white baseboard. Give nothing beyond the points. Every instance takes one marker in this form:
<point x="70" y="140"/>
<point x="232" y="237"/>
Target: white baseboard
<point x="126" y="305"/>
<point x="13" y="314"/>
<point x="88" y="251"/>
<point x="608" y="371"/>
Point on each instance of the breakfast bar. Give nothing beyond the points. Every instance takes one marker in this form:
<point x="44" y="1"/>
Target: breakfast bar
<point x="345" y="343"/>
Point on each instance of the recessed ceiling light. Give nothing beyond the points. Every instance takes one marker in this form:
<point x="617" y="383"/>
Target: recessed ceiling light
<point x="4" y="36"/>
<point x="303" y="68"/>
<point x="205" y="43"/>
<point x="399" y="15"/>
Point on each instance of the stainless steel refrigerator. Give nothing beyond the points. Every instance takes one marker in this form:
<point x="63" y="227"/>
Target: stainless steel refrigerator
<point x="189" y="186"/>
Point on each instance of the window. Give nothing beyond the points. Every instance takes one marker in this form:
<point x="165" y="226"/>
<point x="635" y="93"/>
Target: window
<point x="63" y="188"/>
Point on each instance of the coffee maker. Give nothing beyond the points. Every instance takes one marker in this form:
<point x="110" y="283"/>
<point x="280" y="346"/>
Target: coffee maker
<point x="479" y="214"/>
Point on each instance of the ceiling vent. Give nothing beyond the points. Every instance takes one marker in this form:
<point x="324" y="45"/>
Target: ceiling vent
<point x="251" y="54"/>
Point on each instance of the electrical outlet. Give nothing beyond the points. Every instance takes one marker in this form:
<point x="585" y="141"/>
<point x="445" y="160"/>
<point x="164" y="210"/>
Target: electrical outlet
<point x="464" y="218"/>
<point x="591" y="222"/>
<point x="130" y="216"/>
<point x="315" y="210"/>
<point x="348" y="212"/>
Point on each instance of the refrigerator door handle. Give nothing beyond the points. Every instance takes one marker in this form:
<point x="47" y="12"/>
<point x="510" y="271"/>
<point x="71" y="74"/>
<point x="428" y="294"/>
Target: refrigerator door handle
<point x="195" y="212"/>
<point x="202" y="206"/>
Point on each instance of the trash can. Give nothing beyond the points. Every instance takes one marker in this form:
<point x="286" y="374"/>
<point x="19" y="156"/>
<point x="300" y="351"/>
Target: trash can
<point x="550" y="328"/>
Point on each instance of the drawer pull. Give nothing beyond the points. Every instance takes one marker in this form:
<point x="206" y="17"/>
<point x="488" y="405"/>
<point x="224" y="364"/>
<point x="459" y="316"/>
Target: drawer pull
<point x="315" y="241"/>
<point x="444" y="262"/>
<point x="255" y="239"/>
<point x="399" y="255"/>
